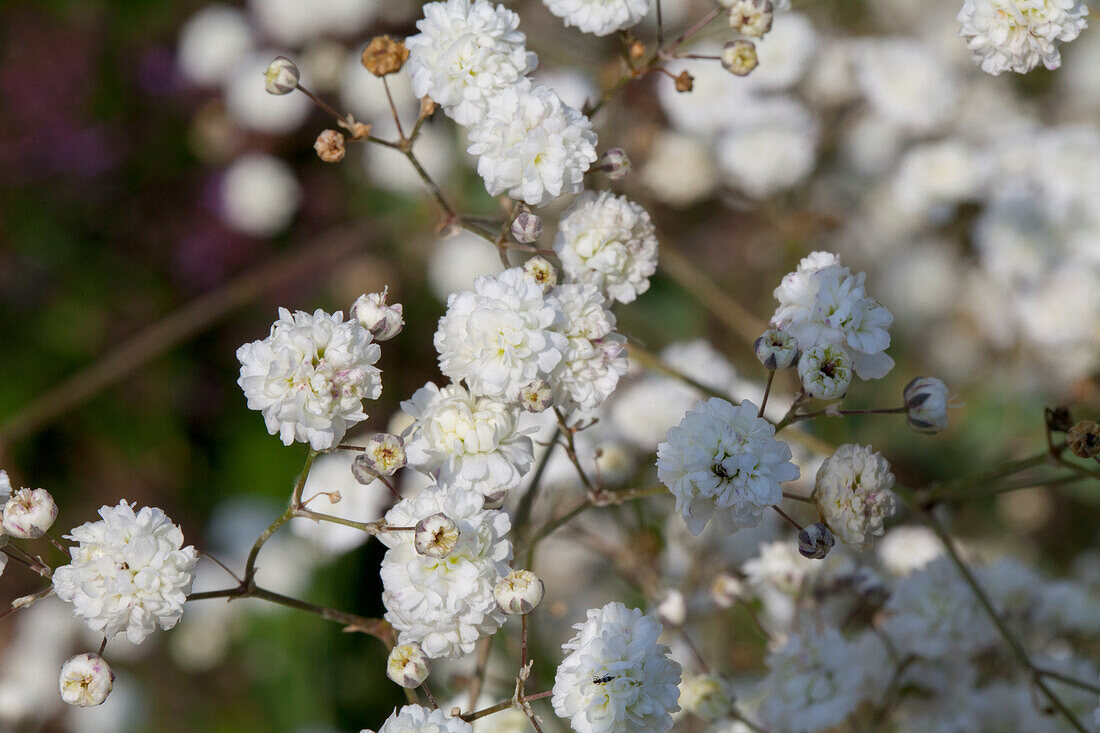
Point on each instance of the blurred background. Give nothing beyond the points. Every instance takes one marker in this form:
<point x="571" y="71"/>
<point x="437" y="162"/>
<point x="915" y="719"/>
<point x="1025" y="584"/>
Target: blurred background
<point x="158" y="207"/>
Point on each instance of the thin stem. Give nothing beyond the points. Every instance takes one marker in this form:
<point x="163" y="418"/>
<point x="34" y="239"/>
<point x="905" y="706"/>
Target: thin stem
<point x="17" y="553"/>
<point x="571" y="451"/>
<point x="979" y="492"/>
<point x="754" y="727"/>
<point x="713" y="297"/>
<point x="53" y="541"/>
<point x="424" y="685"/>
<point x="797" y="497"/>
<point x="433" y="187"/>
<point x="554" y="524"/>
<point x="322" y="104"/>
<point x="891" y="692"/>
<point x="786" y="516"/>
<point x="660" y="26"/>
<point x="527" y="501"/>
<point x="694" y="650"/>
<point x="102" y="646"/>
<point x="842" y="413"/>
<point x="393" y="109"/>
<point x="221" y="565"/>
<point x="1094" y="688"/>
<point x="295" y="501"/>
<point x="522" y="645"/>
<point x="767" y="392"/>
<point x="934" y="491"/>
<point x="503" y="705"/>
<point x="483" y="648"/>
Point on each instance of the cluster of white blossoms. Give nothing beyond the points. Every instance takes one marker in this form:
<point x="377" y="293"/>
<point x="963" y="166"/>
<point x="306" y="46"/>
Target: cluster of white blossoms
<point x="1018" y="35"/>
<point x="309" y="377"/>
<point x="471" y="58"/>
<point x="599" y="17"/>
<point x="852" y="494"/>
<point x="594" y="358"/>
<point x="129" y="572"/>
<point x="445" y="604"/>
<point x="419" y="719"/>
<point x="723" y="461"/>
<point x="616" y="677"/>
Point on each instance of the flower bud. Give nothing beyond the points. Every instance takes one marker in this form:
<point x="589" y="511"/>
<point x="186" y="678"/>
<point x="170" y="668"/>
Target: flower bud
<point x="539" y="269"/>
<point x="281" y="76"/>
<point x="707" y="696"/>
<point x="1083" y="439"/>
<point x="726" y="590"/>
<point x="739" y="57"/>
<point x="825" y="372"/>
<point x="751" y="18"/>
<point x="520" y="591"/>
<point x="86" y="680"/>
<point x="385" y="454"/>
<point x="926" y="399"/>
<point x="685" y="82"/>
<point x="407" y="665"/>
<point x="29" y="513"/>
<point x="614" y="163"/>
<point x="1058" y="418"/>
<point x="495" y="500"/>
<point x="363" y="470"/>
<point x="330" y="146"/>
<point x="382" y="320"/>
<point x="384" y="55"/>
<point x="537" y="396"/>
<point x="436" y="536"/>
<point x="672" y="610"/>
<point x="527" y="227"/>
<point x="776" y="349"/>
<point x="815" y="541"/>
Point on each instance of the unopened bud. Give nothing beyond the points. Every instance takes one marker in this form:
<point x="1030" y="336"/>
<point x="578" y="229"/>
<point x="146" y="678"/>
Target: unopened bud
<point x="385" y="454"/>
<point x="427" y="107"/>
<point x="776" y="349"/>
<point x="537" y="396"/>
<point x="751" y="17"/>
<point x="86" y="680"/>
<point x="384" y="55"/>
<point x="495" y="500"/>
<point x="672" y="610"/>
<point x="739" y="57"/>
<point x="407" y="665"/>
<point x="1059" y="418"/>
<point x="636" y="50"/>
<point x="29" y="513"/>
<point x="685" y="82"/>
<point x="281" y="76"/>
<point x="436" y="536"/>
<point x="726" y="590"/>
<point x="706" y="696"/>
<point x="614" y="163"/>
<point x="825" y="372"/>
<point x="1083" y="439"/>
<point x="384" y="321"/>
<point x="815" y="541"/>
<point x="527" y="227"/>
<point x="539" y="269"/>
<point x="330" y="146"/>
<point x="520" y="591"/>
<point x="926" y="400"/>
<point x="363" y="470"/>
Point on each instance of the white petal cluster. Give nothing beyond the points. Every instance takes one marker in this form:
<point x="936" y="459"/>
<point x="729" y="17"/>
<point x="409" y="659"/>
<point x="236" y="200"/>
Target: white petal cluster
<point x="85" y="681"/>
<point x="129" y="572"/>
<point x="609" y="241"/>
<point x="309" y="377"/>
<point x="419" y="719"/>
<point x="532" y="146"/>
<point x="445" y="604"/>
<point x="599" y="17"/>
<point x="1018" y="35"/>
<point x="769" y="146"/>
<point x="501" y="336"/>
<point x="617" y="678"/>
<point x="853" y="495"/>
<point x="724" y="461"/>
<point x="822" y="302"/>
<point x="595" y="356"/>
<point x="467" y="441"/>
<point x="815" y="681"/>
<point x="465" y="54"/>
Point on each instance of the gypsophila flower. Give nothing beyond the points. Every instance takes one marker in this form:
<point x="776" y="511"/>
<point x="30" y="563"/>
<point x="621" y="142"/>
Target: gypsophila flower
<point x="707" y="696"/>
<point x="520" y="591"/>
<point x="1018" y="35"/>
<point x="467" y="441"/>
<point x="384" y="454"/>
<point x="446" y="604"/>
<point x="852" y="494"/>
<point x="595" y="357"/>
<point x="281" y="76"/>
<point x="527" y="227"/>
<point x="309" y="377"/>
<point x="724" y="461"/>
<point x="86" y="680"/>
<point x="779" y="567"/>
<point x="599" y="17"/>
<point x="926" y="400"/>
<point x="609" y="241"/>
<point x="129" y="572"/>
<point x="815" y="540"/>
<point x="28" y="513"/>
<point x="739" y="57"/>
<point x="615" y="163"/>
<point x="466" y="54"/>
<point x="501" y="336"/>
<point x="383" y="320"/>
<point x="436" y="536"/>
<point x="616" y="677"/>
<point x="539" y="269"/>
<point x="825" y="372"/>
<point x="537" y="396"/>
<point x="417" y="719"/>
<point x="407" y="665"/>
<point x="750" y="17"/>
<point x="532" y="146"/>
<point x="776" y="349"/>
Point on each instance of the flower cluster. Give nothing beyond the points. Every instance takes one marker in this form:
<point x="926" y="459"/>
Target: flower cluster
<point x="1018" y="35"/>
<point x="599" y="17"/>
<point x="852" y="493"/>
<point x="419" y="719"/>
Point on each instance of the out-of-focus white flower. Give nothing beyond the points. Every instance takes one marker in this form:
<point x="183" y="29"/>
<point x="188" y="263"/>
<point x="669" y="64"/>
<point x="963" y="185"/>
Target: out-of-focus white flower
<point x="211" y="43"/>
<point x="926" y="398"/>
<point x="417" y="719"/>
<point x="680" y="170"/>
<point x="330" y="473"/>
<point x="907" y="82"/>
<point x="252" y="107"/>
<point x="1018" y="35"/>
<point x="407" y="665"/>
<point x="295" y="23"/>
<point x="457" y="261"/>
<point x="389" y="170"/>
<point x="599" y="17"/>
<point x="608" y="241"/>
<point x="532" y="146"/>
<point x="724" y="461"/>
<point x="779" y="567"/>
<point x="769" y="147"/>
<point x="616" y="677"/>
<point x="852" y="494"/>
<point x="905" y="549"/>
<point x="575" y="87"/>
<point x="129" y="573"/>
<point x="825" y="372"/>
<point x="259" y="195"/>
<point x="309" y="377"/>
<point x="86" y="680"/>
<point x="383" y="320"/>
<point x="445" y="604"/>
<point x="707" y="696"/>
<point x="465" y="54"/>
<point x="28" y="513"/>
<point x="784" y="53"/>
<point x="932" y="178"/>
<point x="672" y="608"/>
<point x="595" y="357"/>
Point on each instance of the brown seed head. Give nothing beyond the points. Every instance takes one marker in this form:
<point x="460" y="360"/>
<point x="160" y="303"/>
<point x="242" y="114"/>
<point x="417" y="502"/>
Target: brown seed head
<point x="330" y="146"/>
<point x="1083" y="439"/>
<point x="384" y="55"/>
<point x="685" y="82"/>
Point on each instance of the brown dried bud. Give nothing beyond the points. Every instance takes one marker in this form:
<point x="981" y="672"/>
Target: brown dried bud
<point x="384" y="55"/>
<point x="637" y="50"/>
<point x="1083" y="439"/>
<point x="1059" y="418"/>
<point x="359" y="130"/>
<point x="685" y="82"/>
<point x="330" y="146"/>
<point x="427" y="107"/>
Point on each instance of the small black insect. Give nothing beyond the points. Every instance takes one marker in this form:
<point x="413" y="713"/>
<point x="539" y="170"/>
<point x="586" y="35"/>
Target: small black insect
<point x="602" y="680"/>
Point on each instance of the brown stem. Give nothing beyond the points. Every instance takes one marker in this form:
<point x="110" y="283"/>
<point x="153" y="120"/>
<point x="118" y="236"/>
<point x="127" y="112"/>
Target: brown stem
<point x="27" y="601"/>
<point x="786" y="516"/>
<point x="767" y="391"/>
<point x="393" y="110"/>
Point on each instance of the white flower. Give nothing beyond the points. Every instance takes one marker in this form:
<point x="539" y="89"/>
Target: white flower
<point x="926" y="398"/>
<point x="465" y="54"/>
<point x="905" y="549"/>
<point x="501" y="336"/>
<point x="595" y="357"/>
<point x="129" y="573"/>
<point x="617" y="678"/>
<point x="445" y="604"/>
<point x="707" y="696"/>
<point x="852" y="494"/>
<point x="1016" y="35"/>
<point x="908" y="82"/>
<point x="825" y="372"/>
<point x="5" y="488"/>
<point x="532" y="146"/>
<point x="608" y="241"/>
<point x="771" y="149"/>
<point x="599" y="17"/>
<point x="384" y="321"/>
<point x="252" y="108"/>
<point x="259" y="194"/>
<point x="29" y="513"/>
<point x="309" y="377"/>
<point x="780" y="568"/>
<point x="680" y="170"/>
<point x="417" y="719"/>
<point x="85" y="680"/>
<point x="407" y="665"/>
<point x="467" y="441"/>
<point x="724" y="461"/>
<point x="211" y="43"/>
